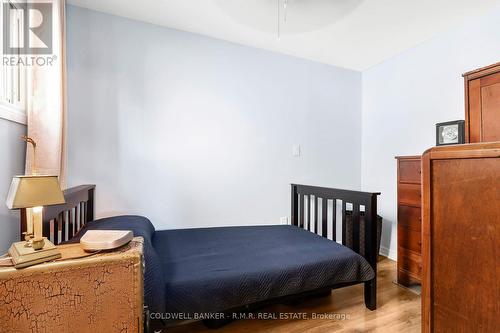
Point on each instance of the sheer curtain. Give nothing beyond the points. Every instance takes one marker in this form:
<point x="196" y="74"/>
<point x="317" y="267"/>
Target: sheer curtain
<point x="46" y="104"/>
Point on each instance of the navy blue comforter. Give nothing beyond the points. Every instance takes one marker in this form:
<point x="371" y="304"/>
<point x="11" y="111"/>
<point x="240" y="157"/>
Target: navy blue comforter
<point x="216" y="269"/>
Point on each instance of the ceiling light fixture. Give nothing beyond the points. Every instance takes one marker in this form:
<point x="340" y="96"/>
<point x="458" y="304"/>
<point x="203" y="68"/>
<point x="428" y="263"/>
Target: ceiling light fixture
<point x="300" y="16"/>
<point x="285" y="11"/>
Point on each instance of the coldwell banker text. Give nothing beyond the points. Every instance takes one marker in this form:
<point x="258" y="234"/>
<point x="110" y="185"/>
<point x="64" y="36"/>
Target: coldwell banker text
<point x="250" y="316"/>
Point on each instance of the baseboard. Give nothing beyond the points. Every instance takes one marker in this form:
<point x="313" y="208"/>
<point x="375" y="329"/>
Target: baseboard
<point x="391" y="254"/>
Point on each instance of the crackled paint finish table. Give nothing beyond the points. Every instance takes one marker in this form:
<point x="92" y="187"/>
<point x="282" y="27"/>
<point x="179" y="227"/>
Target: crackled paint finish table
<point x="77" y="293"/>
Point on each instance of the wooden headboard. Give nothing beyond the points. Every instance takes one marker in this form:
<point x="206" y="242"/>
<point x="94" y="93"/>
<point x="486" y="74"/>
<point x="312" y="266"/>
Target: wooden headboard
<point x="62" y="222"/>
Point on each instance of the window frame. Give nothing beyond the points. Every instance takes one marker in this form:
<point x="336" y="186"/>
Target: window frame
<point x="13" y="111"/>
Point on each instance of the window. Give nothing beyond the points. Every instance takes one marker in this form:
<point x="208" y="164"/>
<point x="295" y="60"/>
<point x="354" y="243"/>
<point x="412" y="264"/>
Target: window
<point x="13" y="87"/>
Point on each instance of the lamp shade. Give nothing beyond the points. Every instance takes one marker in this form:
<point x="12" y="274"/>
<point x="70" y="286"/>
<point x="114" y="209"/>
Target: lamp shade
<point x="34" y="191"/>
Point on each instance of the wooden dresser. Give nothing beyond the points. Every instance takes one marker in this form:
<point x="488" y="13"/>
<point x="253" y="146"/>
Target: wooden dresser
<point x="409" y="220"/>
<point x="461" y="218"/>
<point x="482" y="104"/>
<point x="461" y="238"/>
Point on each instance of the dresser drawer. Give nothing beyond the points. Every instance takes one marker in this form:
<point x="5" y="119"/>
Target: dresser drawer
<point x="409" y="194"/>
<point x="410" y="217"/>
<point x="409" y="239"/>
<point x="409" y="171"/>
<point x="410" y="263"/>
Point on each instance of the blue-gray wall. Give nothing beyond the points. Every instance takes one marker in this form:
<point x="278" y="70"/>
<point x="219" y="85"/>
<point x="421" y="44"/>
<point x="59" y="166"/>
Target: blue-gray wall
<point x="193" y="131"/>
<point x="12" y="156"/>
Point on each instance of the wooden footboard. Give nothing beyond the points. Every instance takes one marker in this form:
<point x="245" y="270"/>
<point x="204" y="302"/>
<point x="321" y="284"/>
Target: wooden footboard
<point x="62" y="222"/>
<point x="309" y="203"/>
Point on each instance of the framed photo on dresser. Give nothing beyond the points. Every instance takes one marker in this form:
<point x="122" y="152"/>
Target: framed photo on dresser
<point x="450" y="133"/>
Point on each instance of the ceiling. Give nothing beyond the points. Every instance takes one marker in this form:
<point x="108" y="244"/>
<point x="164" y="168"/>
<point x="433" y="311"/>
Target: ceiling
<point x="355" y="34"/>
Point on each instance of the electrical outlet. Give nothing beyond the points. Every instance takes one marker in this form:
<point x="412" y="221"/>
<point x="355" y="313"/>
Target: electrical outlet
<point x="284" y="220"/>
<point x="296" y="150"/>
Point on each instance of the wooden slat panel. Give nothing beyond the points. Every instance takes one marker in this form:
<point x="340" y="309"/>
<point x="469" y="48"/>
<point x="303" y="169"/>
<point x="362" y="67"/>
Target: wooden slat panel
<point x="84" y="204"/>
<point x="355" y="227"/>
<point x="51" y="232"/>
<point x="90" y="205"/>
<point x="82" y="215"/>
<point x="316" y="222"/>
<point x="66" y="225"/>
<point x="71" y="223"/>
<point x="77" y="217"/>
<point x="302" y="209"/>
<point x="295" y="206"/>
<point x="46" y="230"/>
<point x="24" y="222"/>
<point x="324" y="217"/>
<point x="344" y="227"/>
<point x="308" y="212"/>
<point x="334" y="220"/>
<point x="59" y="223"/>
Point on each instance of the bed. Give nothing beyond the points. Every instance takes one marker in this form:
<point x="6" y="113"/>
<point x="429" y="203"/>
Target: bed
<point x="208" y="270"/>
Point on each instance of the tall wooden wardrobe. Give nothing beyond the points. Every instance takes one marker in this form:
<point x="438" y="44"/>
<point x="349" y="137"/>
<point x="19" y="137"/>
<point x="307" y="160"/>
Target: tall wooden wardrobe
<point x="482" y="104"/>
<point x="461" y="218"/>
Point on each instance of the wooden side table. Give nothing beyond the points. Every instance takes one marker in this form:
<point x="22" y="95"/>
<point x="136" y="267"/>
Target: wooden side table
<point x="98" y="293"/>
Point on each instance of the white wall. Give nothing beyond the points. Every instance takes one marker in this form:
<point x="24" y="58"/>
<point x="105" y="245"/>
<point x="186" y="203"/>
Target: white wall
<point x="12" y="156"/>
<point x="192" y="131"/>
<point x="404" y="97"/>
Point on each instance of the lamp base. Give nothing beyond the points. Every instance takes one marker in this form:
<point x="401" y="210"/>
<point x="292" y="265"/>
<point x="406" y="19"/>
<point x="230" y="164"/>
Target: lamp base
<point x="23" y="256"/>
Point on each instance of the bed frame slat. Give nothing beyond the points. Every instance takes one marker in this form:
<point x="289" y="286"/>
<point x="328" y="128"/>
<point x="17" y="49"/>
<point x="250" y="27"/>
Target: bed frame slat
<point x="344" y="224"/>
<point x="355" y="227"/>
<point x="77" y="216"/>
<point x="50" y="236"/>
<point x="82" y="214"/>
<point x="301" y="220"/>
<point x="45" y="230"/>
<point x="295" y="205"/>
<point x="60" y="228"/>
<point x="71" y="224"/>
<point x="308" y="210"/>
<point x="316" y="222"/>
<point x="334" y="220"/>
<point x="324" y="217"/>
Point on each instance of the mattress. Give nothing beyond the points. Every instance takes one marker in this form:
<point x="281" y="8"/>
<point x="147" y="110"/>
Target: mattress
<point x="217" y="269"/>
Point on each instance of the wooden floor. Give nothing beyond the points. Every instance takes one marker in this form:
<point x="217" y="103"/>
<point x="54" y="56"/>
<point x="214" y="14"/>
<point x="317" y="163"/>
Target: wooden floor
<point x="398" y="311"/>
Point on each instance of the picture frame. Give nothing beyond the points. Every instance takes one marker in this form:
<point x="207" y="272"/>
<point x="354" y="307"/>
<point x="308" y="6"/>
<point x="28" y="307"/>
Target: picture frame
<point x="450" y="133"/>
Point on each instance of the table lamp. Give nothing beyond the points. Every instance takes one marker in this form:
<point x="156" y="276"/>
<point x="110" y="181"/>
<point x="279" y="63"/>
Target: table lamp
<point x="33" y="192"/>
